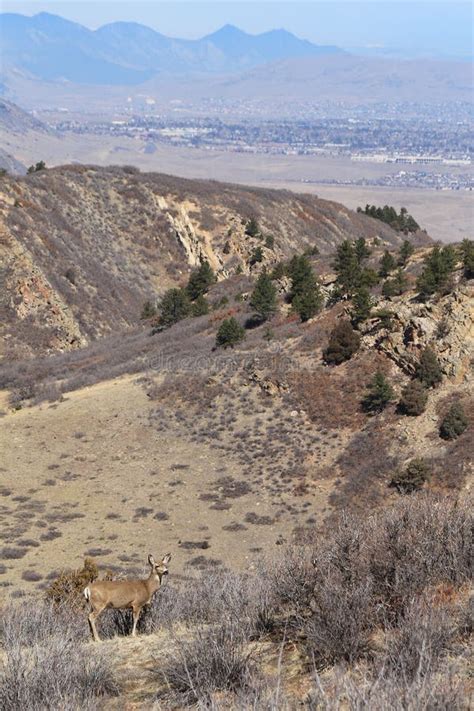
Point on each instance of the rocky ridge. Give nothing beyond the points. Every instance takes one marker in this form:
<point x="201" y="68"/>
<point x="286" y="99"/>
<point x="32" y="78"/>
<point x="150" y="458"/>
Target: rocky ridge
<point x="93" y="244"/>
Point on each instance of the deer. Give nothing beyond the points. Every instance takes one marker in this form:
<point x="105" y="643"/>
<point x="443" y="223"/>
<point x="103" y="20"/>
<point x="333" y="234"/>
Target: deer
<point x="125" y="594"/>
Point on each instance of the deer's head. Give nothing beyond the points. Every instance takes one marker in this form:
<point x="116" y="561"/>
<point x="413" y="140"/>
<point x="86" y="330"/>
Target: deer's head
<point x="161" y="568"/>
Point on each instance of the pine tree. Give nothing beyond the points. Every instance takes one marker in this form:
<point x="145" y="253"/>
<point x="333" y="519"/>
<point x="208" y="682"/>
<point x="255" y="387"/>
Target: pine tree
<point x="343" y="343"/>
<point x="251" y="228"/>
<point x="41" y="165"/>
<point x="467" y="252"/>
<point x="368" y="277"/>
<point x="454" y="423"/>
<point x="406" y="250"/>
<point x="200" y="306"/>
<point x="256" y="256"/>
<point x="437" y="270"/>
<point x="427" y="370"/>
<point x="148" y="310"/>
<point x="300" y="271"/>
<point x="387" y="264"/>
<point x="413" y="400"/>
<point x="413" y="478"/>
<point x="395" y="286"/>
<point x="347" y="268"/>
<point x="200" y="281"/>
<point x="230" y="333"/>
<point x="379" y="394"/>
<point x="305" y="295"/>
<point x="263" y="300"/>
<point x="362" y="305"/>
<point x="308" y="301"/>
<point x="362" y="252"/>
<point x="174" y="306"/>
<point x="269" y="241"/>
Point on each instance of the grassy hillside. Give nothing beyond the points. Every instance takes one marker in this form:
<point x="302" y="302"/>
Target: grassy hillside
<point x="291" y="417"/>
<point x="83" y="247"/>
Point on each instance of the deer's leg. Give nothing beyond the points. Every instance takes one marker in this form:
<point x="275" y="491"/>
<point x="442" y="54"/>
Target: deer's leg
<point x="136" y="615"/>
<point x="92" y="618"/>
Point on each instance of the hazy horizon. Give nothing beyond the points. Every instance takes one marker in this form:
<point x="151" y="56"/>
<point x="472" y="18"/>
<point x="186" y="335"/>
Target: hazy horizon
<point x="443" y="28"/>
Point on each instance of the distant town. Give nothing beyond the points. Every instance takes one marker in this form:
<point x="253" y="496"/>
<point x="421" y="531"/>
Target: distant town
<point x="407" y="138"/>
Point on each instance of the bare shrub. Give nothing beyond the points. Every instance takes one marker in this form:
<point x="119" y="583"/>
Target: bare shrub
<point x="34" y="622"/>
<point x="342" y="622"/>
<point x="9" y="553"/>
<point x="416" y="647"/>
<point x="365" y="691"/>
<point x="252" y="517"/>
<point x="292" y="579"/>
<point x="52" y="675"/>
<point x="216" y="660"/>
<point x="209" y="598"/>
<point x="423" y="541"/>
<point x="31" y="576"/>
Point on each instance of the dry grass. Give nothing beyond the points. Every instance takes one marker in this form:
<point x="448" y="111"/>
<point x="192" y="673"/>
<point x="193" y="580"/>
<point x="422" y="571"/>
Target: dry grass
<point x="377" y="613"/>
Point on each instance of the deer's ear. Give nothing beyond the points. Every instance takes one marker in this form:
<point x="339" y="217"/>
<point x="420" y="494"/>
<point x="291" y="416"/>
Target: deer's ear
<point x="166" y="559"/>
<point x="151" y="560"/>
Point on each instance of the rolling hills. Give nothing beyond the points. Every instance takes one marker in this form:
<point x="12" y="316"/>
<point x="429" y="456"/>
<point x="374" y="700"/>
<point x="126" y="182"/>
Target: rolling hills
<point x="83" y="247"/>
<point x="126" y="434"/>
<point x="309" y="534"/>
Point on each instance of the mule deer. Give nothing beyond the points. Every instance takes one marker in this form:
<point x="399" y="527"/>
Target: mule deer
<point x="125" y="594"/>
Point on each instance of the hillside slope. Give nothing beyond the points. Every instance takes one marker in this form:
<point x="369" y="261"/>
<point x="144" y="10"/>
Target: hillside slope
<point x="83" y="247"/>
<point x="221" y="456"/>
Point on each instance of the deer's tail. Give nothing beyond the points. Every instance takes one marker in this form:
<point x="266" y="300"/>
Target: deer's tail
<point x="87" y="593"/>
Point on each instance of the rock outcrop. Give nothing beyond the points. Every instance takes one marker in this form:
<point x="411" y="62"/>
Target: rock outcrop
<point x="445" y="324"/>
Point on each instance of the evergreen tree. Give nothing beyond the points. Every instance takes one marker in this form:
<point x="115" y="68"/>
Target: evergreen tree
<point x="300" y="271"/>
<point x="428" y="371"/>
<point x="251" y="228"/>
<point x="174" y="306"/>
<point x="437" y="270"/>
<point x="467" y="252"/>
<point x="343" y="343"/>
<point x="230" y="333"/>
<point x="41" y="165"/>
<point x="395" y="286"/>
<point x="362" y="305"/>
<point x="148" y="310"/>
<point x="454" y="423"/>
<point x="279" y="271"/>
<point x="264" y="297"/>
<point x="308" y="301"/>
<point x="387" y="264"/>
<point x="269" y="241"/>
<point x="379" y="394"/>
<point x="347" y="268"/>
<point x="406" y="250"/>
<point x="362" y="252"/>
<point x="401" y="223"/>
<point x="200" y="306"/>
<point x="413" y="478"/>
<point x="413" y="400"/>
<point x="256" y="256"/>
<point x="305" y="294"/>
<point x="368" y="277"/>
<point x="200" y="281"/>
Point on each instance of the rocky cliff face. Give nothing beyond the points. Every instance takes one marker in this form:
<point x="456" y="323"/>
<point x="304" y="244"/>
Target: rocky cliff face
<point x="82" y="247"/>
<point x="446" y="325"/>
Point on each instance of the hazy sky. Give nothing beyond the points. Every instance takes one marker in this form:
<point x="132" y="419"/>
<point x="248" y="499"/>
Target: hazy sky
<point x="427" y="25"/>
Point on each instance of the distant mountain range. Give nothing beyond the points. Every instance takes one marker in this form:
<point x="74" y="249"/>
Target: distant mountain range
<point x="50" y="48"/>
